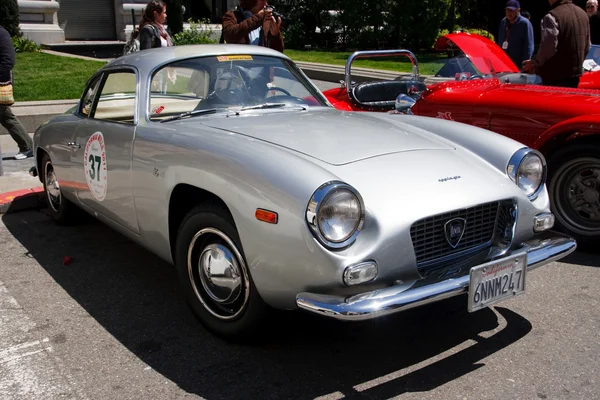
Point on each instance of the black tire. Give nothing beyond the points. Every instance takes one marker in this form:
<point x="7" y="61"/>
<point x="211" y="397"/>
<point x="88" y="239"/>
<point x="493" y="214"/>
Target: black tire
<point x="242" y="319"/>
<point x="61" y="209"/>
<point x="574" y="188"/>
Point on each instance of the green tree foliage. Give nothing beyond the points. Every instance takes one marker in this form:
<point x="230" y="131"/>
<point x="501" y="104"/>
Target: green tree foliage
<point x="416" y="23"/>
<point x="9" y="17"/>
<point x="174" y="16"/>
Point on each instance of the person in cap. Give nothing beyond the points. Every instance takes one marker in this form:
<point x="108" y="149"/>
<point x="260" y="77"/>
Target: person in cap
<point x="565" y="41"/>
<point x="515" y="34"/>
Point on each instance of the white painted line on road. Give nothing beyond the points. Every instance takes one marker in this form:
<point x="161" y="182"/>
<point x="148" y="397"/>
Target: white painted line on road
<point x="17" y="356"/>
<point x="28" y="369"/>
<point x="18" y="347"/>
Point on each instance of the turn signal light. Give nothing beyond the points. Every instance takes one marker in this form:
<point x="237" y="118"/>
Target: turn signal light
<point x="360" y="273"/>
<point x="266" y="216"/>
<point x="543" y="222"/>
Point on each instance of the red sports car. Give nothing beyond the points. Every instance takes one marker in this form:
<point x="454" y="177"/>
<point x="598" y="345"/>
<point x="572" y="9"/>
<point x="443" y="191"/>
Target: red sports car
<point x="488" y="91"/>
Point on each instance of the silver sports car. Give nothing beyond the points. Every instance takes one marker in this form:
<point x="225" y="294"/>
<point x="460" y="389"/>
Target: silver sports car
<point x="227" y="161"/>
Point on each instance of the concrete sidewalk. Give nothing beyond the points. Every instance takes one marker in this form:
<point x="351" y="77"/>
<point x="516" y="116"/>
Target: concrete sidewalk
<point x="18" y="189"/>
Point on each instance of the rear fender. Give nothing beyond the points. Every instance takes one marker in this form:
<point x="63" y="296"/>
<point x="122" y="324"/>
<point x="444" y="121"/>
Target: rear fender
<point x="570" y="129"/>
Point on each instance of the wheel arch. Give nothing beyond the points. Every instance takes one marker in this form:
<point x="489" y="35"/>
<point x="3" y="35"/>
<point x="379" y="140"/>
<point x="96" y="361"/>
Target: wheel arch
<point x="580" y="130"/>
<point x="39" y="156"/>
<point x="184" y="197"/>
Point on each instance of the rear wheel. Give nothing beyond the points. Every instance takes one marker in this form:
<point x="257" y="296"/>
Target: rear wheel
<point x="574" y="185"/>
<point x="61" y="209"/>
<point x="214" y="276"/>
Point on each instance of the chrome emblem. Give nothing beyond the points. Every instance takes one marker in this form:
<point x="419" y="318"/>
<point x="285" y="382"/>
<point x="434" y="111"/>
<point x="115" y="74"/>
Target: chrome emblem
<point x="454" y="230"/>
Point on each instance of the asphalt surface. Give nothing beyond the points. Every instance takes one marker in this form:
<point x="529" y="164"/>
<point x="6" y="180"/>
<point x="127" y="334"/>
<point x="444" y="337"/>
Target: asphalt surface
<point x="112" y="324"/>
<point x="87" y="314"/>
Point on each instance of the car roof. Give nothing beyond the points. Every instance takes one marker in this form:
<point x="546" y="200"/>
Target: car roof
<point x="149" y="58"/>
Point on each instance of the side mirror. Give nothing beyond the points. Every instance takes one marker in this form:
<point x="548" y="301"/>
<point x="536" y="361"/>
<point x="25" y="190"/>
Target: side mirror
<point x="404" y="103"/>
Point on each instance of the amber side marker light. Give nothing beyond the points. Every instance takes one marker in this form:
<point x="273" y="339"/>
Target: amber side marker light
<point x="266" y="216"/>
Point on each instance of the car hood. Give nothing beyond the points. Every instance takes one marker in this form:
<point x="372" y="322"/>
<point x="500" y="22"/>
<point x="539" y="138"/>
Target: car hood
<point x="332" y="136"/>
<point x="478" y="48"/>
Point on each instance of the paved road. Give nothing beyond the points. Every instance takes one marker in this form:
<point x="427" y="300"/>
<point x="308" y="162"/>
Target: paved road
<point x="112" y="324"/>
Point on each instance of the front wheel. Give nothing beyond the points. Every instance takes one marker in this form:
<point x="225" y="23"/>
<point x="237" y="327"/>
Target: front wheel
<point x="214" y="276"/>
<point x="574" y="186"/>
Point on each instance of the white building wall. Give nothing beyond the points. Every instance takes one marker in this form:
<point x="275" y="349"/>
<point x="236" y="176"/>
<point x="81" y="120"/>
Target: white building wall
<point x="39" y="22"/>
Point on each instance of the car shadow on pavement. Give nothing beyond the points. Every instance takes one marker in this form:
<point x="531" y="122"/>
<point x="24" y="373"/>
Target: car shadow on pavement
<point x="583" y="258"/>
<point x="134" y="296"/>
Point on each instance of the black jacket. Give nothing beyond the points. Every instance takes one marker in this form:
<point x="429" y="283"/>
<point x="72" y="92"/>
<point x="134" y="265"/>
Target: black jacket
<point x="7" y="55"/>
<point x="595" y="28"/>
<point x="149" y="37"/>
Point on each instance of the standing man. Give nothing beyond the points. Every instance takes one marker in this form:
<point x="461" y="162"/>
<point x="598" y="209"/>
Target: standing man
<point x="591" y="8"/>
<point x="515" y="34"/>
<point x="7" y="118"/>
<point x="253" y="23"/>
<point x="564" y="44"/>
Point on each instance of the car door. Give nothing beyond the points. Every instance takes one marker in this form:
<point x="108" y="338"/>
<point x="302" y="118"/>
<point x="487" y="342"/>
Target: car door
<point x="103" y="146"/>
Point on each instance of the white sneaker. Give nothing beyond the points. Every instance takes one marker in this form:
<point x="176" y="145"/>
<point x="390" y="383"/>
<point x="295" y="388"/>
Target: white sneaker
<point x="23" y="155"/>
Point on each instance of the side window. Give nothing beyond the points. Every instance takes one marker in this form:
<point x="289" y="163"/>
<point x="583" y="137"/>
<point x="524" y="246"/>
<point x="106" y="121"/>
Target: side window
<point x="88" y="98"/>
<point x="117" y="98"/>
<point x="177" y="89"/>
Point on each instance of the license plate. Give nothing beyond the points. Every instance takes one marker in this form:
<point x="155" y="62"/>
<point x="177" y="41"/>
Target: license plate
<point x="496" y="281"/>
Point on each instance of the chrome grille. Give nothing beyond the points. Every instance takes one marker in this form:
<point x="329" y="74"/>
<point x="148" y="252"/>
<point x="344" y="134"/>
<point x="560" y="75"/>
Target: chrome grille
<point x="429" y="239"/>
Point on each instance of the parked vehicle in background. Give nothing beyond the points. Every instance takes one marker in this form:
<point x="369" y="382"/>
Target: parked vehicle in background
<point x="562" y="123"/>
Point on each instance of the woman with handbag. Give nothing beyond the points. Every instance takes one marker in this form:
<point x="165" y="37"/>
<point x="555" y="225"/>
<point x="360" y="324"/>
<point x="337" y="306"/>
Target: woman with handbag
<point x="7" y="118"/>
<point x="152" y="31"/>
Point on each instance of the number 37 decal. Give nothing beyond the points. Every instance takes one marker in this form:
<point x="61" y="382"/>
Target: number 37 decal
<point x="94" y="162"/>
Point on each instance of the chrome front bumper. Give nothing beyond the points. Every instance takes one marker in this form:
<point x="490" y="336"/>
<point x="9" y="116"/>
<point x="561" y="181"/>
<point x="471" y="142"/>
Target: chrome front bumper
<point x="395" y="299"/>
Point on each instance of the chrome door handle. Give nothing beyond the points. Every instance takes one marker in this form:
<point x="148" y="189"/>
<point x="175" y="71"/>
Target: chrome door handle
<point x="74" y="145"/>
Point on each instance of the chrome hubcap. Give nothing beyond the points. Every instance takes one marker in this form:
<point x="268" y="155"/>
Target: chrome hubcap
<point x="576" y="196"/>
<point x="218" y="274"/>
<point x="52" y="187"/>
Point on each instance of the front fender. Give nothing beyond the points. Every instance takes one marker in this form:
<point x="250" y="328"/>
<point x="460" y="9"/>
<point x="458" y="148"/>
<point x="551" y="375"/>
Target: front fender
<point x="582" y="125"/>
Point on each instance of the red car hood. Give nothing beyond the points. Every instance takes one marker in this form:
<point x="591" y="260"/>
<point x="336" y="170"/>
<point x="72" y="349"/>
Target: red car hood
<point x="478" y="48"/>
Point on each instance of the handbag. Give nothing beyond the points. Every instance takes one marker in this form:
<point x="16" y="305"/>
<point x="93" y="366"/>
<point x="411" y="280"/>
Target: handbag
<point x="6" y="94"/>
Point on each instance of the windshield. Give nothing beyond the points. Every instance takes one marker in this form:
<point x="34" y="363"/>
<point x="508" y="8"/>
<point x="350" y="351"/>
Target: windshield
<point x="592" y="59"/>
<point x="229" y="83"/>
<point x="463" y="68"/>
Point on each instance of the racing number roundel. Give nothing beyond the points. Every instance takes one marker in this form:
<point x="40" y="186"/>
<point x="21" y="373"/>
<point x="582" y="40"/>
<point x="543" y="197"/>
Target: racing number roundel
<point x="94" y="162"/>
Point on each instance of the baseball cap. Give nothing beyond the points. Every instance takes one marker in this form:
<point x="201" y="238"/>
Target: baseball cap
<point x="513" y="5"/>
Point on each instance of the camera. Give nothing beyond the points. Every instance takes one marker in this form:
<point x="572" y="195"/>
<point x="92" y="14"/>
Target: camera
<point x="285" y="23"/>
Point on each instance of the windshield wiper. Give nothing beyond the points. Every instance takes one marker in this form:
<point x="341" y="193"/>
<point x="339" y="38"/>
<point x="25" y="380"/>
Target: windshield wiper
<point x="263" y="106"/>
<point x="190" y="114"/>
<point x="269" y="105"/>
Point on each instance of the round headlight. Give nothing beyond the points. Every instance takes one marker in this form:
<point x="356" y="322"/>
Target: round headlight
<point x="530" y="174"/>
<point x="527" y="168"/>
<point x="335" y="214"/>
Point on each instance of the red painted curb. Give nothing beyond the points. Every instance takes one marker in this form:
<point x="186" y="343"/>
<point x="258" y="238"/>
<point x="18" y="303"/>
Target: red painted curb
<point x="20" y="200"/>
<point x="8" y="197"/>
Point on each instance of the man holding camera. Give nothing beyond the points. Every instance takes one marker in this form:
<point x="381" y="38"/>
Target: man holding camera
<point x="253" y="22"/>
